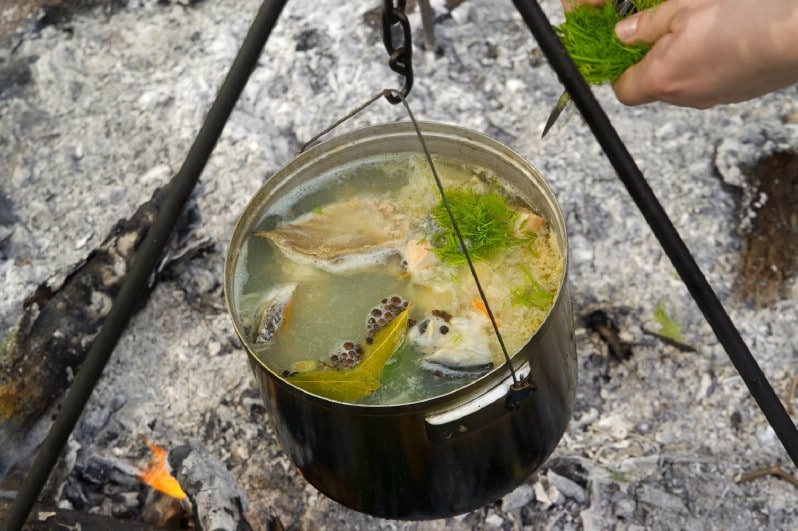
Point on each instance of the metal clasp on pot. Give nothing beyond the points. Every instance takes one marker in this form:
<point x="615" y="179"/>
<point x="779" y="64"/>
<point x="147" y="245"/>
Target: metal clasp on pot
<point x="480" y="411"/>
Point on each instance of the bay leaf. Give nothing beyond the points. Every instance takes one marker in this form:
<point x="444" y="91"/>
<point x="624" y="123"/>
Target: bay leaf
<point x="344" y="386"/>
<point x="359" y="382"/>
<point x="386" y="342"/>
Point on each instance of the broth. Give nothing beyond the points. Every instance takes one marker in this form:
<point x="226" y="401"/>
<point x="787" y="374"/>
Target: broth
<point x="310" y="276"/>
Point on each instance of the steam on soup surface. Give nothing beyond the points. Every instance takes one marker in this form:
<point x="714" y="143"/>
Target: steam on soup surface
<point x="356" y="288"/>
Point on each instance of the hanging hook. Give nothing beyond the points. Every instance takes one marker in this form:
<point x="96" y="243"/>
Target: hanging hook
<point x="400" y="58"/>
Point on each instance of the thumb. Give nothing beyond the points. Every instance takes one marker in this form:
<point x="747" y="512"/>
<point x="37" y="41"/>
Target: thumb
<point x="645" y="27"/>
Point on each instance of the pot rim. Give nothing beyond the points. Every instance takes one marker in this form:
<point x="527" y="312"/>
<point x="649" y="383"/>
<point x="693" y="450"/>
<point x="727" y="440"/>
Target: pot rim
<point x="253" y="213"/>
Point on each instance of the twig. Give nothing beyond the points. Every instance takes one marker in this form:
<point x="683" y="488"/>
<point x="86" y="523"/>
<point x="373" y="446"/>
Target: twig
<point x="768" y="471"/>
<point x="684" y="347"/>
<point x="791" y="394"/>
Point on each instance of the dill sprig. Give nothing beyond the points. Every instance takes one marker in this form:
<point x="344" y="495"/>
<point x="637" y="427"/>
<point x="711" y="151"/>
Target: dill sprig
<point x="533" y="294"/>
<point x="485" y="222"/>
<point x="589" y="37"/>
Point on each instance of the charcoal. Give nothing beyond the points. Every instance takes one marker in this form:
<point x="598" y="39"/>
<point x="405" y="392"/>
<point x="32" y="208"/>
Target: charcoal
<point x="217" y="500"/>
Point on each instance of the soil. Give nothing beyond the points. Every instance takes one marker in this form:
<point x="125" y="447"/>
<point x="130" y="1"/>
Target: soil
<point x="769" y="253"/>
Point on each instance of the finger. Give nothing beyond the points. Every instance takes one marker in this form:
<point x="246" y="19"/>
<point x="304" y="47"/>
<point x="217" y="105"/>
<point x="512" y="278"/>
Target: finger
<point x="647" y="26"/>
<point x="650" y="79"/>
<point x="629" y="87"/>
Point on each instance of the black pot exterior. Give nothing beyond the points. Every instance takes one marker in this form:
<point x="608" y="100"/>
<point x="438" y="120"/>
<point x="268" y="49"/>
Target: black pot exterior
<point x="443" y="456"/>
<point x="386" y="464"/>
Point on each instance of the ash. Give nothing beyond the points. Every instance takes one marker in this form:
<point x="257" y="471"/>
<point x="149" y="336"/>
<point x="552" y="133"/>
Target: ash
<point x="98" y="109"/>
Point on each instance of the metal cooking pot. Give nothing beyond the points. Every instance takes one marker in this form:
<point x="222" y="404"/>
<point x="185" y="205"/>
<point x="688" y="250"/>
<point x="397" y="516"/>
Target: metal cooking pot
<point x="448" y="454"/>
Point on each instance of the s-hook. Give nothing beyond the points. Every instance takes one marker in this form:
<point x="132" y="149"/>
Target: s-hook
<point x="400" y="57"/>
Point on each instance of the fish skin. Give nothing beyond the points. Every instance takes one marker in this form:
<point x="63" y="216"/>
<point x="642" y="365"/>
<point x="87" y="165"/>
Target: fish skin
<point x="342" y="236"/>
<point x="273" y="312"/>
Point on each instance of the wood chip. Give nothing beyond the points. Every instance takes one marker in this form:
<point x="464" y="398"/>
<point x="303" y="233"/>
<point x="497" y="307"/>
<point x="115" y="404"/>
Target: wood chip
<point x="767" y="471"/>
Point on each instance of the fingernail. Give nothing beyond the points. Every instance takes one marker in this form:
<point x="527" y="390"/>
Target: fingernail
<point x="625" y="29"/>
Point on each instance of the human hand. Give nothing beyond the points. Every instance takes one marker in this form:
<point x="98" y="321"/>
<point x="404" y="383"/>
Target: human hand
<point x="707" y="52"/>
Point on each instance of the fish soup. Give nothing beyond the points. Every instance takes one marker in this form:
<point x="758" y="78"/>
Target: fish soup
<point x="355" y="287"/>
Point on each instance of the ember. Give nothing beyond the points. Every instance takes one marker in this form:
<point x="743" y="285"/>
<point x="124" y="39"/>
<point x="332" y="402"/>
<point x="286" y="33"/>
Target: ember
<point x="157" y="475"/>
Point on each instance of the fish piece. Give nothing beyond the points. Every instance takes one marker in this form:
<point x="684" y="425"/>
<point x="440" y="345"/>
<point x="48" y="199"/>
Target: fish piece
<point x="420" y="261"/>
<point x="526" y="223"/>
<point x="343" y="236"/>
<point x="274" y="312"/>
<point x="459" y="344"/>
<point x="479" y="305"/>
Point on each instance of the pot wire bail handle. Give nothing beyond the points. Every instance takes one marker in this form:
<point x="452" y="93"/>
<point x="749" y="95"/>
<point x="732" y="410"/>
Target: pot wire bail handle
<point x="400" y="61"/>
<point x="521" y="388"/>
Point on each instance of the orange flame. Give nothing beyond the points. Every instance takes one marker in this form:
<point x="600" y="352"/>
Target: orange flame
<point x="158" y="477"/>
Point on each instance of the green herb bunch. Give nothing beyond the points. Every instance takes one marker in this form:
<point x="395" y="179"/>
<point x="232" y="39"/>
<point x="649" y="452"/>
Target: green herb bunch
<point x="485" y="222"/>
<point x="589" y="37"/>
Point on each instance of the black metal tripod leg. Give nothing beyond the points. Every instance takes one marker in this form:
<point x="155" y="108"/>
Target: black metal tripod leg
<point x="144" y="263"/>
<point x="661" y="225"/>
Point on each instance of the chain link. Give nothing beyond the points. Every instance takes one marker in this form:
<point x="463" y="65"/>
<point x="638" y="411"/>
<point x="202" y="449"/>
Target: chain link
<point x="400" y="57"/>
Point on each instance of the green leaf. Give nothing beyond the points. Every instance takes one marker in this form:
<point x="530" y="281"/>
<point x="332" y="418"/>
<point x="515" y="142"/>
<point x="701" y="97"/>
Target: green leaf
<point x="359" y="382"/>
<point x="668" y="327"/>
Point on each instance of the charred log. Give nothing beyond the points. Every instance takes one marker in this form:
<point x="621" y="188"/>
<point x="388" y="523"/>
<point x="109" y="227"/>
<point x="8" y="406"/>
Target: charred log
<point x="41" y="354"/>
<point x="217" y="500"/>
<point x="48" y="518"/>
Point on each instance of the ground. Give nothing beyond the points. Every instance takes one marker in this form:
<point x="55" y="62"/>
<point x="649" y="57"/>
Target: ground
<point x="101" y="108"/>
